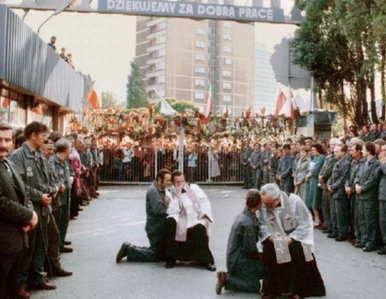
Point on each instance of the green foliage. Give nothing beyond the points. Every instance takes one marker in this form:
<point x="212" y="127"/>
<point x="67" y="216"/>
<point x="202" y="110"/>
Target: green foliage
<point x="136" y="92"/>
<point x="343" y="43"/>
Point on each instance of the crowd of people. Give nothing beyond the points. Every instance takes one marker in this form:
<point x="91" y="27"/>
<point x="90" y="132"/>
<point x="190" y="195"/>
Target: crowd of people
<point x="66" y="57"/>
<point x="45" y="182"/>
<point x="342" y="181"/>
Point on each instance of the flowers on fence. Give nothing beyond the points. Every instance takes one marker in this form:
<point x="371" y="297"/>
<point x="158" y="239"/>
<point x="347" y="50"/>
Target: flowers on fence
<point x="146" y="124"/>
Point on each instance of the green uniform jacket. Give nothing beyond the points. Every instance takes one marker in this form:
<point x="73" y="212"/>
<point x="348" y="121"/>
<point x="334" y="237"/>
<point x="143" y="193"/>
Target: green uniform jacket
<point x="368" y="180"/>
<point x="156" y="208"/>
<point x="33" y="170"/>
<point x="340" y="174"/>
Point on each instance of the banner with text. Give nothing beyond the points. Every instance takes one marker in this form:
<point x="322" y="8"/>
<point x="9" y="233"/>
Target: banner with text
<point x="194" y="10"/>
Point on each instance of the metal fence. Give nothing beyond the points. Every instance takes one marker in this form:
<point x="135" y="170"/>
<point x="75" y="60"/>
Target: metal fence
<point x="141" y="165"/>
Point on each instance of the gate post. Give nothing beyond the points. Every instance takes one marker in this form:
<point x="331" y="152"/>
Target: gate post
<point x="181" y="149"/>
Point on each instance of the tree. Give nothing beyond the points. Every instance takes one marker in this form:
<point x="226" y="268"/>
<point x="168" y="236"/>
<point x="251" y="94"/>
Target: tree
<point x="109" y="101"/>
<point x="136" y="92"/>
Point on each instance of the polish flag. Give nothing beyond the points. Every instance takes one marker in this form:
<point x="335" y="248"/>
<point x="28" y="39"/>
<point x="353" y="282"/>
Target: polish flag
<point x="208" y="103"/>
<point x="284" y="106"/>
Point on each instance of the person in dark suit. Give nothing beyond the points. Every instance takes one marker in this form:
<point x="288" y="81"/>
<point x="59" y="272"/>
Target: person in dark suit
<point x="16" y="217"/>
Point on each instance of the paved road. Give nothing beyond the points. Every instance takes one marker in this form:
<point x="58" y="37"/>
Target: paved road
<point x="119" y="215"/>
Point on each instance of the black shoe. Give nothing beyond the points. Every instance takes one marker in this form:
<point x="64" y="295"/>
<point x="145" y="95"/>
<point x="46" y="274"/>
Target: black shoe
<point x="368" y="249"/>
<point x="327" y="231"/>
<point x="170" y="264"/>
<point x="122" y="252"/>
<point x="211" y="267"/>
<point x="382" y="251"/>
<point x="332" y="236"/>
<point x="59" y="272"/>
<point x="341" y="238"/>
<point x="221" y="281"/>
<point x="359" y="245"/>
<point x="67" y="242"/>
<point x="66" y="249"/>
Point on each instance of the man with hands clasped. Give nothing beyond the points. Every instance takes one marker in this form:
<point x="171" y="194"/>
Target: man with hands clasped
<point x="187" y="225"/>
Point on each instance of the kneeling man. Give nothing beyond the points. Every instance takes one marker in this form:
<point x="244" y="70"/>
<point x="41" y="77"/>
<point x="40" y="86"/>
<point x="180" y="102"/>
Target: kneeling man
<point x="244" y="267"/>
<point x="187" y="225"/>
<point x="286" y="231"/>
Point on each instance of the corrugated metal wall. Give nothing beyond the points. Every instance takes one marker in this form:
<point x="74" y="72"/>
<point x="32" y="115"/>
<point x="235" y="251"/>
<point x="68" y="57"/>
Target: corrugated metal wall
<point x="27" y="61"/>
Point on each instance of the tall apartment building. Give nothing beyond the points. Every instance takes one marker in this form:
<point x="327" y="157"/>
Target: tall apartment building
<point x="265" y="81"/>
<point x="180" y="58"/>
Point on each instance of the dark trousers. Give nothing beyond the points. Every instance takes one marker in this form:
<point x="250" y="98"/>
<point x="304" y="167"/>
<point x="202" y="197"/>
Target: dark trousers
<point x="247" y="176"/>
<point x="62" y="221"/>
<point x="53" y="257"/>
<point x="147" y="254"/>
<point x="368" y="221"/>
<point x="256" y="178"/>
<point x="246" y="281"/>
<point x="9" y="269"/>
<point x="382" y="220"/>
<point x="341" y="214"/>
<point x="33" y="257"/>
<point x="326" y="206"/>
<point x="195" y="249"/>
<point x="296" y="277"/>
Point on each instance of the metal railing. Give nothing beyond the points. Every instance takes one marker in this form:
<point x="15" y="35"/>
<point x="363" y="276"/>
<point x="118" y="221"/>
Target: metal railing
<point x="141" y="165"/>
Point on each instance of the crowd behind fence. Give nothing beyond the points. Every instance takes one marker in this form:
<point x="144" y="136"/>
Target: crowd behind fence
<point x="141" y="164"/>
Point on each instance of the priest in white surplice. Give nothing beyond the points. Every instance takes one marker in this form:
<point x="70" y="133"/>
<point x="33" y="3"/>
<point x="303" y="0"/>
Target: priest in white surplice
<point x="286" y="232"/>
<point x="187" y="226"/>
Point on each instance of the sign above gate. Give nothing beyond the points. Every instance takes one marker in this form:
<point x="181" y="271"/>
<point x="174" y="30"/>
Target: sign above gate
<point x="193" y="10"/>
<point x="177" y="9"/>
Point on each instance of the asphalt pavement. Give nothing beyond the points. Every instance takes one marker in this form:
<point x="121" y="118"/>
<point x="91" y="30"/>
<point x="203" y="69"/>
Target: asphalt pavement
<point x="119" y="216"/>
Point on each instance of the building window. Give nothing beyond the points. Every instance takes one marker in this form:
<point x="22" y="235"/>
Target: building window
<point x="161" y="65"/>
<point x="227" y="49"/>
<point x="227" y="61"/>
<point x="227" y="98"/>
<point x="227" y="25"/>
<point x="200" y="69"/>
<point x="161" y="52"/>
<point x="162" y="26"/>
<point x="200" y="31"/>
<point x="200" y="44"/>
<point x="161" y="39"/>
<point x="199" y="95"/>
<point x="227" y="85"/>
<point x="161" y="79"/>
<point x="161" y="92"/>
<point x="227" y="74"/>
<point x="199" y="82"/>
<point x="227" y="37"/>
<point x="200" y="57"/>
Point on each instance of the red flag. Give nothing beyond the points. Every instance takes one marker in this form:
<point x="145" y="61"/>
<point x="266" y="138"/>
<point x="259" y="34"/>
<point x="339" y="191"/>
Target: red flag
<point x="281" y="99"/>
<point x="5" y="103"/>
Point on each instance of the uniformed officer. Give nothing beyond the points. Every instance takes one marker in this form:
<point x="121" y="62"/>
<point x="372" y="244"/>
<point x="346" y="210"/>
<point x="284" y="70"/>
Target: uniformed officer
<point x="31" y="167"/>
<point x="266" y="155"/>
<point x="256" y="161"/>
<point x="65" y="177"/>
<point x="358" y="161"/>
<point x="247" y="151"/>
<point x="382" y="198"/>
<point x="325" y="173"/>
<point x="367" y="187"/>
<point x="284" y="171"/>
<point x="335" y="185"/>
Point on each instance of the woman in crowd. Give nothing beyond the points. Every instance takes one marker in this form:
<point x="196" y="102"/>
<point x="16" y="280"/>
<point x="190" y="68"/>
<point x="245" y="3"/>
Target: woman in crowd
<point x="313" y="198"/>
<point x="301" y="171"/>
